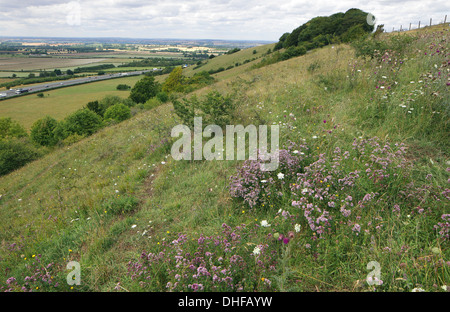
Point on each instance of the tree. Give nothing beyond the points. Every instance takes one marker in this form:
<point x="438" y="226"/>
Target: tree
<point x="144" y="89"/>
<point x="83" y="122"/>
<point x="175" y="81"/>
<point x="11" y="128"/>
<point x="95" y="107"/>
<point x="15" y="153"/>
<point x="323" y="30"/>
<point x="42" y="131"/>
<point x="117" y="112"/>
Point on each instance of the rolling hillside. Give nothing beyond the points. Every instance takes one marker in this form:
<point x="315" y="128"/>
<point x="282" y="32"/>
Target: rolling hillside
<point x="363" y="177"/>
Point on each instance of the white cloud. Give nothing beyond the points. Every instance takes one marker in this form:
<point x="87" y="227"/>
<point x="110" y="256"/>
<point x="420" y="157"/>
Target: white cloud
<point x="206" y="19"/>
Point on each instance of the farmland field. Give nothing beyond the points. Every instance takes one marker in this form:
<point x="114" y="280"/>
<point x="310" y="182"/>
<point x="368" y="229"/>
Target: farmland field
<point x="38" y="63"/>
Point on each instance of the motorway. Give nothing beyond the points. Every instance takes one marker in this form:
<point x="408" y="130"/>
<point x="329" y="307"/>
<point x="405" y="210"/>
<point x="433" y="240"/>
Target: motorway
<point x="65" y="83"/>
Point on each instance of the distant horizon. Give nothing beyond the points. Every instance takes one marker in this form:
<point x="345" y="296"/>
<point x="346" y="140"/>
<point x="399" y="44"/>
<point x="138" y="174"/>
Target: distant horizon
<point x="137" y="38"/>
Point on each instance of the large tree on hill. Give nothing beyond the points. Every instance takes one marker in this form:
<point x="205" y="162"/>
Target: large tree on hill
<point x="144" y="89"/>
<point x="322" y="30"/>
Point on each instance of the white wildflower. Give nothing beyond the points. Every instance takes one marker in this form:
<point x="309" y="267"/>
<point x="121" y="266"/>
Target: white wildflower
<point x="256" y="251"/>
<point x="280" y="176"/>
<point x="264" y="223"/>
<point x="297" y="228"/>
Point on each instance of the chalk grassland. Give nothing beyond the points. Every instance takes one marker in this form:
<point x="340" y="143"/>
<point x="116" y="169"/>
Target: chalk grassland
<point x="228" y="60"/>
<point x="61" y="102"/>
<point x="106" y="199"/>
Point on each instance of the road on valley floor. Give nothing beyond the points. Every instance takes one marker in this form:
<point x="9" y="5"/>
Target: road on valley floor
<point x="52" y="85"/>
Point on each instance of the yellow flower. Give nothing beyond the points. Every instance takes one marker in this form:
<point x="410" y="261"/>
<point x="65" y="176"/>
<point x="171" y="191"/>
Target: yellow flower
<point x="168" y="232"/>
<point x="243" y="211"/>
<point x="70" y="250"/>
<point x="37" y="288"/>
<point x="262" y="278"/>
<point x="33" y="256"/>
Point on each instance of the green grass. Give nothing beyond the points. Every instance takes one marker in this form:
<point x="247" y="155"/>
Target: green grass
<point x="106" y="199"/>
<point x="227" y="60"/>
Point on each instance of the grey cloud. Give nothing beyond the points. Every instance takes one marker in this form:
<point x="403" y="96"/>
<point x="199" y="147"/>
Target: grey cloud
<point x="229" y="19"/>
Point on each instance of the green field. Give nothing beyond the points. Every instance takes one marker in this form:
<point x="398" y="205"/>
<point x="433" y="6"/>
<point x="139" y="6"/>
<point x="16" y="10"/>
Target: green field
<point x="59" y="103"/>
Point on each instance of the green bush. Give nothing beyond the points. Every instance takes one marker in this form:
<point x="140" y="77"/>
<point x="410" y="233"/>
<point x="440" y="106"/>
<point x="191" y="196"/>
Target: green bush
<point x="15" y="153"/>
<point x="122" y="87"/>
<point x="10" y="128"/>
<point x="214" y="109"/>
<point x="293" y="52"/>
<point x="42" y="131"/>
<point x="162" y="97"/>
<point x="95" y="107"/>
<point x="117" y="112"/>
<point x="83" y="122"/>
<point x="144" y="89"/>
<point x="71" y="139"/>
<point x="152" y="103"/>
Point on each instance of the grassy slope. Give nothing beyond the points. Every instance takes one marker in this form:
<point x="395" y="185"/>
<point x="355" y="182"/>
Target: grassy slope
<point x="51" y="209"/>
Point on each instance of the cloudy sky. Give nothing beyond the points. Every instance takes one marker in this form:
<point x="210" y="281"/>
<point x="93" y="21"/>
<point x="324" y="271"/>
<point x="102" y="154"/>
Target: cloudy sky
<point x="197" y="19"/>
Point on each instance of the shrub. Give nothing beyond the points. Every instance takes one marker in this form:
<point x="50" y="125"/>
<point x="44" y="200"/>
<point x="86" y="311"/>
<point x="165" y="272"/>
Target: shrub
<point x="71" y="139"/>
<point x="11" y="128"/>
<point x="42" y="131"/>
<point x="95" y="107"/>
<point x="174" y="83"/>
<point x="214" y="109"/>
<point x="162" y="96"/>
<point x="123" y="87"/>
<point x="152" y="103"/>
<point x="144" y="89"/>
<point x="117" y="112"/>
<point x="293" y="52"/>
<point x="15" y="153"/>
<point x="83" y="122"/>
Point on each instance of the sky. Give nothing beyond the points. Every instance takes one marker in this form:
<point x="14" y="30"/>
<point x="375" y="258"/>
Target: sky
<point x="198" y="19"/>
